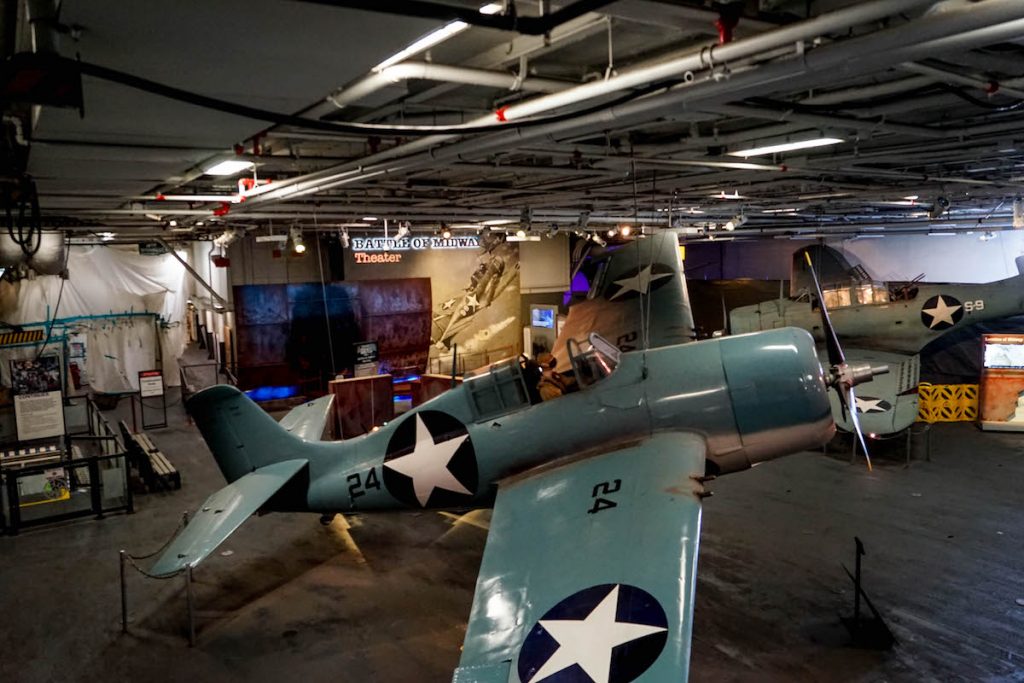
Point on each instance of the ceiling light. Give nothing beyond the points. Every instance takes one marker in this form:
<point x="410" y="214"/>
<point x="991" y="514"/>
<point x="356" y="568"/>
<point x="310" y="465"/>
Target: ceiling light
<point x="228" y="167"/>
<point x="911" y="197"/>
<point x="446" y="232"/>
<point x="107" y="236"/>
<point x="173" y="223"/>
<point x="596" y="239"/>
<point x="492" y="8"/>
<point x="369" y="219"/>
<point x="520" y="233"/>
<point x="344" y="238"/>
<point x="499" y="221"/>
<point x="786" y="147"/>
<point x="725" y="195"/>
<point x="425" y="43"/>
<point x="612" y="232"/>
<point x="625" y="230"/>
<point x="941" y="234"/>
<point x="986" y="236"/>
<point x="403" y="230"/>
<point x="787" y="210"/>
<point x="298" y="246"/>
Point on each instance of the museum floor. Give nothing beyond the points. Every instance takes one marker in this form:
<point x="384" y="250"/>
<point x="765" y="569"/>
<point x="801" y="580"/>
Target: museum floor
<point x="386" y="600"/>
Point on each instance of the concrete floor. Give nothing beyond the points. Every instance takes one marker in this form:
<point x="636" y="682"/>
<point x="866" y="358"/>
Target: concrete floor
<point x="386" y="600"/>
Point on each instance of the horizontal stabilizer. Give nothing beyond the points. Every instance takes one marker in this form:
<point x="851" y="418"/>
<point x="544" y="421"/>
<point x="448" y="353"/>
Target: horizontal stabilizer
<point x="222" y="513"/>
<point x="308" y="420"/>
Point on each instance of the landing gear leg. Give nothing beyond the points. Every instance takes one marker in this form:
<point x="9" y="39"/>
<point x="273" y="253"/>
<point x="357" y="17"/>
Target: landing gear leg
<point x="327" y="519"/>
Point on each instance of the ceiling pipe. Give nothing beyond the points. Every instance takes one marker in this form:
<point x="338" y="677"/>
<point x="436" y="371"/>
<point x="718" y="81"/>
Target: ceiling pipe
<point x="830" y="121"/>
<point x="675" y="69"/>
<point x="438" y="72"/>
<point x="945" y="76"/>
<point x="902" y="85"/>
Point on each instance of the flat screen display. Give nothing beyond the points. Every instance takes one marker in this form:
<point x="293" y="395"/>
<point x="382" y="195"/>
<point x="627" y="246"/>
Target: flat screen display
<point x="542" y="317"/>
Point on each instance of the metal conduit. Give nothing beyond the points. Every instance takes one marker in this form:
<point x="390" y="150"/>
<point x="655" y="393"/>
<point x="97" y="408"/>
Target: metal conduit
<point x="440" y="72"/>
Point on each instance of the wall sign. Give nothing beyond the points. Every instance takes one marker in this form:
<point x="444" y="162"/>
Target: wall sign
<point x="414" y="243"/>
<point x="151" y="383"/>
<point x="366" y="358"/>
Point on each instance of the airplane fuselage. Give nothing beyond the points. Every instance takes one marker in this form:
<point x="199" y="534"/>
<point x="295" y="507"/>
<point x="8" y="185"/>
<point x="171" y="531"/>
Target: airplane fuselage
<point x="752" y="398"/>
<point x="901" y="326"/>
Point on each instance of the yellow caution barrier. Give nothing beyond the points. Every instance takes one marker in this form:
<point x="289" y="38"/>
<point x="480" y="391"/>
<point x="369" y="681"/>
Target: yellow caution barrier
<point x="947" y="402"/>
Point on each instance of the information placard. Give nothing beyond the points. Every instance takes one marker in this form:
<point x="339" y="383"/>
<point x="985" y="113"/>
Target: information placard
<point x="151" y="383"/>
<point x="39" y="415"/>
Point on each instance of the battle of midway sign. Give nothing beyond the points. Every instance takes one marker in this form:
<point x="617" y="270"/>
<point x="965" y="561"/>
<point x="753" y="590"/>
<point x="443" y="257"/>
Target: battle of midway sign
<point x="389" y="250"/>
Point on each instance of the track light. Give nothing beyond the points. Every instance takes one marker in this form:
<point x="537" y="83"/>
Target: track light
<point x="625" y="230"/>
<point x="343" y="237"/>
<point x="520" y="233"/>
<point x="446" y="231"/>
<point x="228" y="237"/>
<point x="298" y="246"/>
<point x="598" y="240"/>
<point x="403" y="230"/>
<point x="737" y="221"/>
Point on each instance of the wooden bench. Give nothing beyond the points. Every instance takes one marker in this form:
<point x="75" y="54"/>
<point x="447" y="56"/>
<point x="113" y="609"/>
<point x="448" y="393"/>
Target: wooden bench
<point x="156" y="470"/>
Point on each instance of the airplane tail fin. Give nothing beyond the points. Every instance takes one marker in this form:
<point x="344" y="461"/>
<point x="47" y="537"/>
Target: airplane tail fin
<point x="240" y="434"/>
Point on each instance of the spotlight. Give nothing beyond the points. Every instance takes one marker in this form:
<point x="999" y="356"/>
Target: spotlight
<point x="625" y="230"/>
<point x="446" y="231"/>
<point x="613" y="232"/>
<point x="343" y="236"/>
<point x="403" y="230"/>
<point x="939" y="207"/>
<point x="520" y="233"/>
<point x="598" y="240"/>
<point x="553" y="232"/>
<point x="298" y="246"/>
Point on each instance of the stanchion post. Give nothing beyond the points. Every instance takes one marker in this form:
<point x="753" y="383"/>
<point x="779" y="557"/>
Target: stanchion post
<point x="191" y="608"/>
<point x="124" y="597"/>
<point x="184" y="519"/>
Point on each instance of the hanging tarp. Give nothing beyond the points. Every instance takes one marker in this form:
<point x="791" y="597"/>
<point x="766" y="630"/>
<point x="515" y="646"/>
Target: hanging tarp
<point x="106" y="281"/>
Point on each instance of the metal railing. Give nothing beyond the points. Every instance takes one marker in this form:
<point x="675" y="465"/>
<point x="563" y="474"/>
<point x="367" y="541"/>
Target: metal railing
<point x="92" y="479"/>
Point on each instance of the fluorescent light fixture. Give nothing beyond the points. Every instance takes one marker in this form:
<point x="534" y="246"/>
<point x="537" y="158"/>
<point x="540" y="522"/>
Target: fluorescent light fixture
<point x="786" y="147"/>
<point x="425" y="43"/>
<point x="232" y="198"/>
<point x="492" y="8"/>
<point x="369" y="219"/>
<point x="499" y="221"/>
<point x="726" y="195"/>
<point x="524" y="238"/>
<point x="107" y="236"/>
<point x="787" y="210"/>
<point x="271" y="238"/>
<point x="911" y="197"/>
<point x="941" y="234"/>
<point x="228" y="167"/>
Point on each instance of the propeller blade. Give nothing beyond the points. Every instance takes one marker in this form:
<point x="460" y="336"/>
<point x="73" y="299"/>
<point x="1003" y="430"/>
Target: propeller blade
<point x="856" y="427"/>
<point x="835" y="352"/>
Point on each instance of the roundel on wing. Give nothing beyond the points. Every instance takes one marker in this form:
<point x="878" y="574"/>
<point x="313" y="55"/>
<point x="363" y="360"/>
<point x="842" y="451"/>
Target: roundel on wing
<point x="610" y="633"/>
<point x="639" y="281"/>
<point x="430" y="461"/>
<point x="941" y="312"/>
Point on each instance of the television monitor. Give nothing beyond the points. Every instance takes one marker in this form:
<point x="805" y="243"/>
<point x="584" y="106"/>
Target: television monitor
<point x="542" y="317"/>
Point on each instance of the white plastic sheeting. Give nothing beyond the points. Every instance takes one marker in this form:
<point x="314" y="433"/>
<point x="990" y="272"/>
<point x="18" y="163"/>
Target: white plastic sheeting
<point x="109" y="281"/>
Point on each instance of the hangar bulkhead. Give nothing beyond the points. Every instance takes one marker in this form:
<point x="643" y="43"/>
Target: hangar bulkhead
<point x="409" y="341"/>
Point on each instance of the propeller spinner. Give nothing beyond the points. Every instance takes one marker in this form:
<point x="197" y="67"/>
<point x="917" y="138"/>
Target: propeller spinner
<point x="843" y="376"/>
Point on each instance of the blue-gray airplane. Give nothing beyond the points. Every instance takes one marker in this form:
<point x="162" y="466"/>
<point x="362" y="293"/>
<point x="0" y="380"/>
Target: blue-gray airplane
<point x="590" y="564"/>
<point x="887" y="323"/>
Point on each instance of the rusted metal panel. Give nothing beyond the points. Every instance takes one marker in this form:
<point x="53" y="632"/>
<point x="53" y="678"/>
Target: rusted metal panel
<point x="362" y="403"/>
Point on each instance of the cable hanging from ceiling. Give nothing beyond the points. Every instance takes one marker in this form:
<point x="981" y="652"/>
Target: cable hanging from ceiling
<point x="349" y="127"/>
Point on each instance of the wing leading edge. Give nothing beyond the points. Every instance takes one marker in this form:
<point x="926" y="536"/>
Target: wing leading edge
<point x="560" y="586"/>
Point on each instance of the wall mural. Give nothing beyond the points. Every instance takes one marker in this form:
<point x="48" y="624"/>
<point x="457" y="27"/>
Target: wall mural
<point x="487" y="302"/>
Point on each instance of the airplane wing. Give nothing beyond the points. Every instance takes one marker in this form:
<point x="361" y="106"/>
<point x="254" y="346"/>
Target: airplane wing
<point x="222" y="513"/>
<point x="308" y="420"/>
<point x="560" y="592"/>
<point x="640" y="287"/>
<point x="888" y="403"/>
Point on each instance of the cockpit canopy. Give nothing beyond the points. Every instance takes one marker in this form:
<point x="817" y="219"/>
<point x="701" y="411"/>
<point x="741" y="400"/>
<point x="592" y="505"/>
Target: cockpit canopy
<point x="501" y="388"/>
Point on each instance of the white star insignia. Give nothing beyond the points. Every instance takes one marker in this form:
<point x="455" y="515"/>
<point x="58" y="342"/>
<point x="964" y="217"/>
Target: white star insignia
<point x="942" y="313"/>
<point x="589" y="643"/>
<point x="869" y="405"/>
<point x="427" y="465"/>
<point x="447" y="304"/>
<point x="641" y="282"/>
<point x="472" y="302"/>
